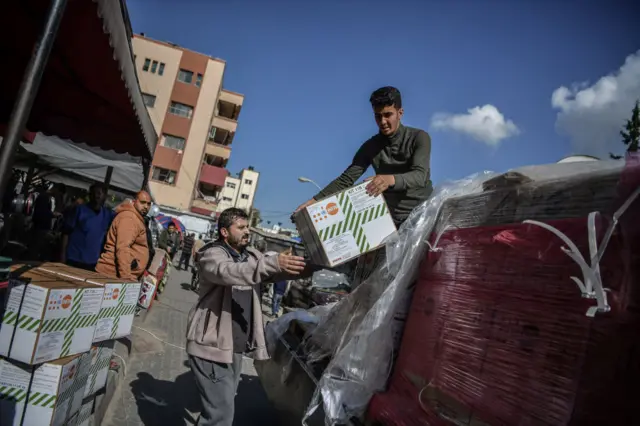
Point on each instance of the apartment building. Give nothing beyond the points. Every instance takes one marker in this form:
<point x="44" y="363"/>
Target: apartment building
<point x="196" y="120"/>
<point x="239" y="191"/>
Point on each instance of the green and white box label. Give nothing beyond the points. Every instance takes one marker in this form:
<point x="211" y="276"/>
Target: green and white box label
<point x="351" y="223"/>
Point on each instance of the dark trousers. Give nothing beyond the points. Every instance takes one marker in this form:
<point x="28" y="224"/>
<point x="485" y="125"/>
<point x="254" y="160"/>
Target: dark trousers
<point x="217" y="383"/>
<point x="185" y="258"/>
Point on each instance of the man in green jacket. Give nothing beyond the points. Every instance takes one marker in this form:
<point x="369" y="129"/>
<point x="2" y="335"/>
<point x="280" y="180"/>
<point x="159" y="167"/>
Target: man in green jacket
<point x="399" y="155"/>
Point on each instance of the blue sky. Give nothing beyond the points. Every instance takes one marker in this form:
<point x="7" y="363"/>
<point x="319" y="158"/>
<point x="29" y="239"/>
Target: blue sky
<point x="307" y="68"/>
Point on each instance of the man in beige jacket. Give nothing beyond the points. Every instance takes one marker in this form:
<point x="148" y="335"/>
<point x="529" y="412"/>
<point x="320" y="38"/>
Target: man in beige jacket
<point x="226" y="323"/>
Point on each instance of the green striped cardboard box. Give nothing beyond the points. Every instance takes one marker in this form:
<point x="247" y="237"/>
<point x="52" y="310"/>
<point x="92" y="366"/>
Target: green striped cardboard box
<point x="85" y="416"/>
<point x="47" y="318"/>
<point x="344" y="226"/>
<point x="118" y="304"/>
<point x="118" y="309"/>
<point x="36" y="395"/>
<point x="100" y="360"/>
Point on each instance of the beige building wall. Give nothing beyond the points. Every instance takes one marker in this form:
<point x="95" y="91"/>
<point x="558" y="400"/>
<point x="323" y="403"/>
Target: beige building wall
<point x="228" y="194"/>
<point x="248" y="188"/>
<point x="160" y="86"/>
<point x="245" y="184"/>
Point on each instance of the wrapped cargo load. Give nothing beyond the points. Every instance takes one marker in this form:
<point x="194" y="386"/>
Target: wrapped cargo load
<point x="459" y="217"/>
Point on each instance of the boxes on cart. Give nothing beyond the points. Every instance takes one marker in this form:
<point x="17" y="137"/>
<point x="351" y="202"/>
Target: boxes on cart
<point x="118" y="304"/>
<point x="118" y="308"/>
<point x="39" y="395"/>
<point x="100" y="359"/>
<point x="47" y="318"/>
<point x="344" y="226"/>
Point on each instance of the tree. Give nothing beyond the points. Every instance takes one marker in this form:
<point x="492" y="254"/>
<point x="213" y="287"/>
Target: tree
<point x="255" y="217"/>
<point x="631" y="133"/>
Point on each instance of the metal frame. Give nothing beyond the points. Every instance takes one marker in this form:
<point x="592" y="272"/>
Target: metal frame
<point x="29" y="89"/>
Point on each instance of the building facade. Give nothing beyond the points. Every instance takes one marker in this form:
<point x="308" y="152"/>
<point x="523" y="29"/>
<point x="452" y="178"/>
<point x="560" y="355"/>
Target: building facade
<point x="239" y="191"/>
<point x="196" y="120"/>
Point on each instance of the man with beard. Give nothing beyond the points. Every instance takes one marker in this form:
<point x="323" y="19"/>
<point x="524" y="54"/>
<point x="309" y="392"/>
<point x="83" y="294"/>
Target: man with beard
<point x="126" y="253"/>
<point x="226" y="322"/>
<point x="84" y="230"/>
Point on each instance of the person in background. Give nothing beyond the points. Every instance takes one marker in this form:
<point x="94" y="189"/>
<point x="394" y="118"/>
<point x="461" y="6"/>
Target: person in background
<point x="226" y="323"/>
<point x="197" y="245"/>
<point x="169" y="240"/>
<point x="279" y="290"/>
<point x="47" y="206"/>
<point x="399" y="155"/>
<point x="84" y="230"/>
<point x="126" y="253"/>
<point x="187" y="248"/>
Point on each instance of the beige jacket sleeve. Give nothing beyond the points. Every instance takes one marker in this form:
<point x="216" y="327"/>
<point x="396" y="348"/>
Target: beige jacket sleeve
<point x="216" y="267"/>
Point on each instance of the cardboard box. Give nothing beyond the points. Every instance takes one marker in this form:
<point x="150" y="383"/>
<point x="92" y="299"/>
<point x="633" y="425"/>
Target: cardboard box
<point x="344" y="226"/>
<point x="148" y="291"/>
<point x="47" y="318"/>
<point x="85" y="416"/>
<point x="100" y="360"/>
<point x="118" y="304"/>
<point x="39" y="395"/>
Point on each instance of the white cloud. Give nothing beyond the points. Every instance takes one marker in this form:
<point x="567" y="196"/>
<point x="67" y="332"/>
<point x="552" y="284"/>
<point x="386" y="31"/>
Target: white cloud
<point x="592" y="116"/>
<point x="485" y="124"/>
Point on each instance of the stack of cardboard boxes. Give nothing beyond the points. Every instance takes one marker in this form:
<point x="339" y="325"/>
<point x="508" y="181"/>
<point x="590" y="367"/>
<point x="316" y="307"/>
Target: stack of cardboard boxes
<point x="57" y="337"/>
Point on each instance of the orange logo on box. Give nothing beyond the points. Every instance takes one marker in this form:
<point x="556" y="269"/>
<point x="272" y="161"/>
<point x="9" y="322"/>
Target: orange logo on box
<point x="66" y="302"/>
<point x="72" y="371"/>
<point x="332" y="209"/>
<point x="116" y="292"/>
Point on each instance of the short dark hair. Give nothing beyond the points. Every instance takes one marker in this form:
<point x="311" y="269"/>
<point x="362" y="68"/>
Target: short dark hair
<point x="229" y="216"/>
<point x="97" y="185"/>
<point x="171" y="225"/>
<point x="386" y="96"/>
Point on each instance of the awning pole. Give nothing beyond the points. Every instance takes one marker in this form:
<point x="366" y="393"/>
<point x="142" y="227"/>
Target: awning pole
<point x="107" y="178"/>
<point x="28" y="90"/>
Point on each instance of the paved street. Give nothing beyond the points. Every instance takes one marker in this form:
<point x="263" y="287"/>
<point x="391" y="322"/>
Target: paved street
<point x="159" y="388"/>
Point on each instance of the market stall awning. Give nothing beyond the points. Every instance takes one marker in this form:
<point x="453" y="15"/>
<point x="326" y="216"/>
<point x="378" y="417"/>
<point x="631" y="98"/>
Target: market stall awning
<point x="89" y="91"/>
<point x="89" y="162"/>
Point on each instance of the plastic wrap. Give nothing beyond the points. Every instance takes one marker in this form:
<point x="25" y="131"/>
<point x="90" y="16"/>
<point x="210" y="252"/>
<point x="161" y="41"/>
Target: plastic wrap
<point x="527" y="311"/>
<point x="360" y="333"/>
<point x="359" y="338"/>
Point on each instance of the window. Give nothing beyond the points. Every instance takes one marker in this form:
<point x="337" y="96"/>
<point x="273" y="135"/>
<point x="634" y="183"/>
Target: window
<point x="185" y="76"/>
<point x="154" y="67"/>
<point x="181" y="109"/>
<point x="147" y="62"/>
<point x="149" y="100"/>
<point x="244" y="196"/>
<point x="161" y="69"/>
<point x="231" y="185"/>
<point x="173" y="142"/>
<point x="199" y="80"/>
<point x="164" y="175"/>
<point x="226" y="199"/>
<point x="248" y="182"/>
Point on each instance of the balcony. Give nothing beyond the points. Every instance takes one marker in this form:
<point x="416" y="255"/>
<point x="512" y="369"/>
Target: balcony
<point x="217" y="150"/>
<point x="204" y="207"/>
<point x="214" y="160"/>
<point x="220" y="136"/>
<point x="223" y="123"/>
<point x="212" y="175"/>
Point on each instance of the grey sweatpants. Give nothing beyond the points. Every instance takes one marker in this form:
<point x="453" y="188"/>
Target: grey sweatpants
<point x="217" y="383"/>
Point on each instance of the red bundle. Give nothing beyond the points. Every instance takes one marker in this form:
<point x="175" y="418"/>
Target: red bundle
<point x="498" y="332"/>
